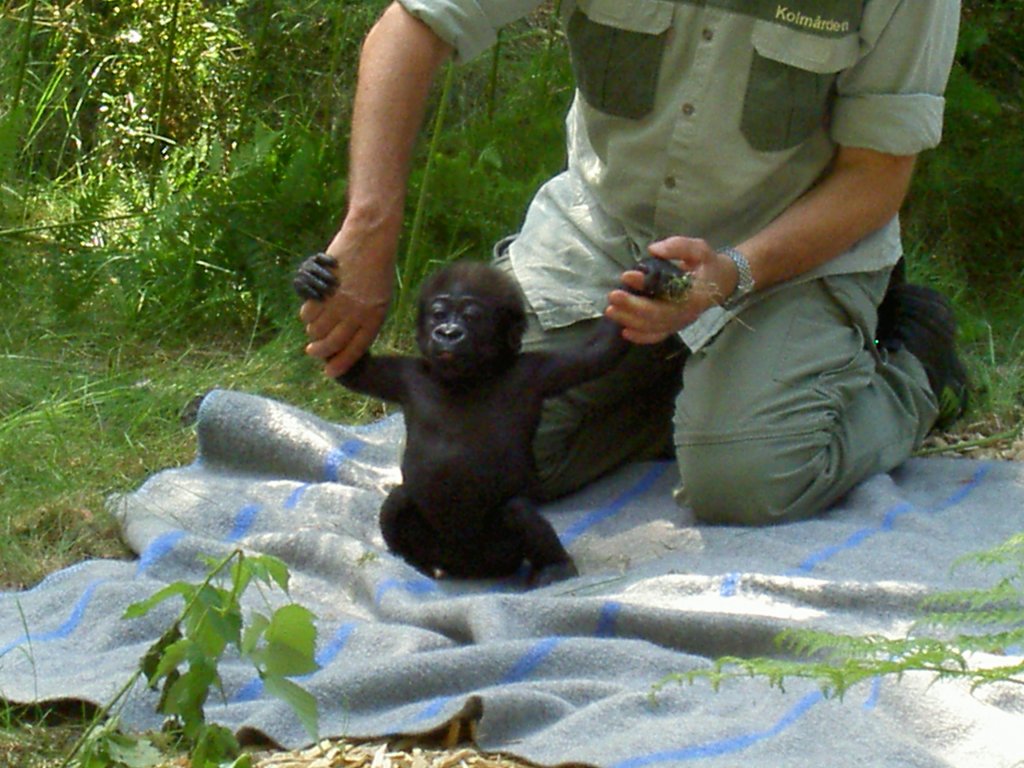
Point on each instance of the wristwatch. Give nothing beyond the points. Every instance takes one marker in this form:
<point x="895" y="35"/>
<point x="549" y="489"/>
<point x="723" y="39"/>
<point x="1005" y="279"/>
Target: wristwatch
<point x="745" y="278"/>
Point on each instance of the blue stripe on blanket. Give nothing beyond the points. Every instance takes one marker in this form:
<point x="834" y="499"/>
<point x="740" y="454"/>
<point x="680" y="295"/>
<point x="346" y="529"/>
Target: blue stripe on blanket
<point x="729" y="745"/>
<point x="67" y="626"/>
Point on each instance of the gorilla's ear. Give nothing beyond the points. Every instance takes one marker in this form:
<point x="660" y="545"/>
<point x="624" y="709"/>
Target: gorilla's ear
<point x="515" y="327"/>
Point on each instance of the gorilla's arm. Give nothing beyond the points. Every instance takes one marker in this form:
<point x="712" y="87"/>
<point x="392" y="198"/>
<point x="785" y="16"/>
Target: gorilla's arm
<point x="382" y="376"/>
<point x="605" y="346"/>
<point x="558" y="371"/>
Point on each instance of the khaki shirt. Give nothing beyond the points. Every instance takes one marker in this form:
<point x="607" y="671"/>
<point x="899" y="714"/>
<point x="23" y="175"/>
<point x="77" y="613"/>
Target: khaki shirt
<point x="708" y="118"/>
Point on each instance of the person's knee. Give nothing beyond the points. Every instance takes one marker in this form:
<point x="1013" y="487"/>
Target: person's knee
<point x="756" y="482"/>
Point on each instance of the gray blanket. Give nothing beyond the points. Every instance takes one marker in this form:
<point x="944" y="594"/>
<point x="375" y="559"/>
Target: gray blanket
<point x="564" y="673"/>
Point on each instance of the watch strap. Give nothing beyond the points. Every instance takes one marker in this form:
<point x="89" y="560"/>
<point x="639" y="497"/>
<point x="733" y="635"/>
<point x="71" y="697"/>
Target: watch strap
<point x="745" y="278"/>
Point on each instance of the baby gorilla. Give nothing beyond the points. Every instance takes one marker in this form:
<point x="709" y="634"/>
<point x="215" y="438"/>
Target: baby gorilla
<point x="472" y="404"/>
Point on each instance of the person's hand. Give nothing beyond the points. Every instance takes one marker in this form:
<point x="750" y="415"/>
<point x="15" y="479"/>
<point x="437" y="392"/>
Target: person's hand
<point x="649" y="321"/>
<point x="343" y="326"/>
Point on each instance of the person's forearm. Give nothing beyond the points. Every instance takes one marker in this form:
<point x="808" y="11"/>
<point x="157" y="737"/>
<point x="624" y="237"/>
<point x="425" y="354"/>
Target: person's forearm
<point x="399" y="60"/>
<point x="860" y="194"/>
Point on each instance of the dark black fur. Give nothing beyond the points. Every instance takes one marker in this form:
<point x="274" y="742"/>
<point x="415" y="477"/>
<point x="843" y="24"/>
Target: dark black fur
<point x="472" y="404"/>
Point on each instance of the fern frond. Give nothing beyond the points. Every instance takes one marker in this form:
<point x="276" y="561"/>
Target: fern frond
<point x="988" y="621"/>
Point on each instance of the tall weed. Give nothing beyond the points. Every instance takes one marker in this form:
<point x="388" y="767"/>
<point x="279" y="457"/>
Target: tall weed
<point x="207" y="235"/>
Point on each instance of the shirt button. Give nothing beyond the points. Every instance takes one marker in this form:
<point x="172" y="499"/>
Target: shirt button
<point x="670" y="182"/>
<point x="708" y="34"/>
<point x="688" y="109"/>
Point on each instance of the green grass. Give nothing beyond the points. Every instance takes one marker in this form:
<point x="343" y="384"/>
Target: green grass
<point x="39" y="737"/>
<point x="84" y="417"/>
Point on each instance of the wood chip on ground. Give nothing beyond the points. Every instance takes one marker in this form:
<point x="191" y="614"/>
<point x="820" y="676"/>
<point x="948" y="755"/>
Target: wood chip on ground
<point x="344" y="754"/>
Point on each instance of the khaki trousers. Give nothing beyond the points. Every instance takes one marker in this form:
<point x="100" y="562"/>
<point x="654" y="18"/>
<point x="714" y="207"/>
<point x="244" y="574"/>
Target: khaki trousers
<point x="787" y="408"/>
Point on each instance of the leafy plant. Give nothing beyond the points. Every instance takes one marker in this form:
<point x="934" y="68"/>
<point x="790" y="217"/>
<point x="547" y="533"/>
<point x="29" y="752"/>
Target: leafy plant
<point x="183" y="663"/>
<point x="107" y="747"/>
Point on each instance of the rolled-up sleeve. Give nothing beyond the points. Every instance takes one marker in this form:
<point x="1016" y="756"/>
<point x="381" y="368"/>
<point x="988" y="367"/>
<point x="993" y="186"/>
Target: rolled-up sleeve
<point x="892" y="99"/>
<point x="469" y="26"/>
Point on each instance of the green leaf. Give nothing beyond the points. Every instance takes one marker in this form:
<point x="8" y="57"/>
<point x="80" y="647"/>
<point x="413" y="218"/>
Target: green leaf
<point x="187" y="695"/>
<point x="242" y="761"/>
<point x="300" y="700"/>
<point x="214" y="621"/>
<point x="133" y="752"/>
<point x="162" y="705"/>
<point x="173" y="656"/>
<point x="141" y="608"/>
<point x="151" y="660"/>
<point x="215" y="745"/>
<point x="258" y="624"/>
<point x="270" y="569"/>
<point x="241" y="575"/>
<point x="290" y="642"/>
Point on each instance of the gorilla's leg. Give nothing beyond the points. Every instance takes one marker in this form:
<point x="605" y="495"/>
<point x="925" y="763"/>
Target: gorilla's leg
<point x="549" y="562"/>
<point x="407" y="534"/>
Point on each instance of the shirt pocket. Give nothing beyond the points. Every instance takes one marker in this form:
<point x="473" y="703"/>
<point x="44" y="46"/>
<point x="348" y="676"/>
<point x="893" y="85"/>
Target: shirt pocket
<point x="791" y="84"/>
<point x="616" y="48"/>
